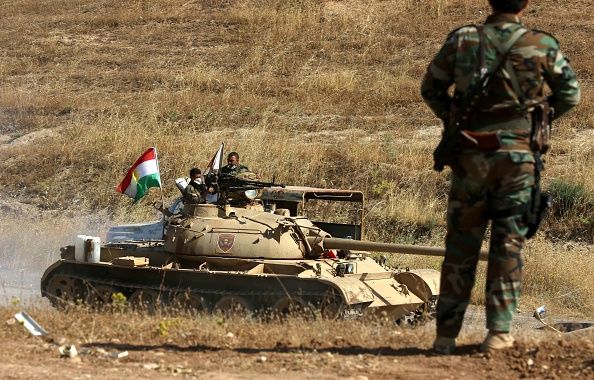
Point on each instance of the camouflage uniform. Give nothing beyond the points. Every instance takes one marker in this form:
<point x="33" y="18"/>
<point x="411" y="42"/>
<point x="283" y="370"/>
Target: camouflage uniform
<point x="497" y="180"/>
<point x="234" y="170"/>
<point x="193" y="193"/>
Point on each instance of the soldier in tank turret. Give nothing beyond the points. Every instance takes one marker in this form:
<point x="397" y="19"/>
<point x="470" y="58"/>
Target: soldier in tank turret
<point x="233" y="166"/>
<point x="195" y="192"/>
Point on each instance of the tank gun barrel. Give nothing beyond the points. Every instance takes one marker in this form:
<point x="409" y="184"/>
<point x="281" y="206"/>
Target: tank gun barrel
<point x="358" y="245"/>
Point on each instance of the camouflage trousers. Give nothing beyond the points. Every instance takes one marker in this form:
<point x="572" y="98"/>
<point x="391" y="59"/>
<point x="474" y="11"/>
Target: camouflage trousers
<point x="493" y="183"/>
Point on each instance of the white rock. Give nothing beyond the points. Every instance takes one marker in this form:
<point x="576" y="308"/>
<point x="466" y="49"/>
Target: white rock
<point x="68" y="351"/>
<point x="261" y="359"/>
<point x="118" y="355"/>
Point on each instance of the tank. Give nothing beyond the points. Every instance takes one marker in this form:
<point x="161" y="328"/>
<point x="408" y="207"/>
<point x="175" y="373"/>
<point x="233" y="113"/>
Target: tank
<point x="251" y="255"/>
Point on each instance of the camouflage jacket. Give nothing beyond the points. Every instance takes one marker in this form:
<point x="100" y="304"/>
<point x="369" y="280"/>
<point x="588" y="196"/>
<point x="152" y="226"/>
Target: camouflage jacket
<point x="536" y="59"/>
<point x="228" y="170"/>
<point x="192" y="194"/>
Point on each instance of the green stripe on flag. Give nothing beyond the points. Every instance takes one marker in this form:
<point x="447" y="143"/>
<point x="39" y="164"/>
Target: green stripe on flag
<point x="146" y="182"/>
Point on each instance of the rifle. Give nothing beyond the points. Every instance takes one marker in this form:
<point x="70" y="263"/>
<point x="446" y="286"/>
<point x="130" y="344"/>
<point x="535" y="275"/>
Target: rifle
<point x="540" y="202"/>
<point x="233" y="188"/>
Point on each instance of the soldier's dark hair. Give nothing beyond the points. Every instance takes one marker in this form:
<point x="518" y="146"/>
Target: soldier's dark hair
<point x="233" y="154"/>
<point x="195" y="171"/>
<point x="508" y="6"/>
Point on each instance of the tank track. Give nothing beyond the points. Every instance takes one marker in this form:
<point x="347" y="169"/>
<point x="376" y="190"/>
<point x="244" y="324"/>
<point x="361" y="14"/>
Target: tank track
<point x="328" y="302"/>
<point x="425" y="313"/>
<point x="64" y="286"/>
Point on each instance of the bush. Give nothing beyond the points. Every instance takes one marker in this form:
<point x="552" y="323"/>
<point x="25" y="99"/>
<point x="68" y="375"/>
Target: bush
<point x="569" y="198"/>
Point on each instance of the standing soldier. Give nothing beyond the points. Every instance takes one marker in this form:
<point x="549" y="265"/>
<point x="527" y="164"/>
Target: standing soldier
<point x="494" y="129"/>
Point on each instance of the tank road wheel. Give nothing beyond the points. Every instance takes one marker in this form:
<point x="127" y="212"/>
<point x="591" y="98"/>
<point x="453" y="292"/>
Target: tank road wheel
<point x="145" y="300"/>
<point x="233" y="305"/>
<point x="63" y="290"/>
<point x="99" y="295"/>
<point x="189" y="301"/>
<point x="331" y="306"/>
<point x="290" y="306"/>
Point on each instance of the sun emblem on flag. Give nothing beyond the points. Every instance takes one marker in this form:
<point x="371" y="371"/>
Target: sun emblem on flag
<point x="226" y="242"/>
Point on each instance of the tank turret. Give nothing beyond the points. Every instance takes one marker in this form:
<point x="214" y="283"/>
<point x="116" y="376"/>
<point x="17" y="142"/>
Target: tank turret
<point x="226" y="231"/>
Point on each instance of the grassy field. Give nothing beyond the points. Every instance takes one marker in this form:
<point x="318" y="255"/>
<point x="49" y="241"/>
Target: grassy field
<point x="322" y="93"/>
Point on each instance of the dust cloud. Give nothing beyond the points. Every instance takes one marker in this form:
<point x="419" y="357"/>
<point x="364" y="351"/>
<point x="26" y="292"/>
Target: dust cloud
<point x="30" y="241"/>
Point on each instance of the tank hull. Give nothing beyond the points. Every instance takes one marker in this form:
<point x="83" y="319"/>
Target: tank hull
<point x="214" y="284"/>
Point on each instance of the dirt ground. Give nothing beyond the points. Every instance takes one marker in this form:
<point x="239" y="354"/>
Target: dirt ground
<point x="408" y="356"/>
<point x="31" y="359"/>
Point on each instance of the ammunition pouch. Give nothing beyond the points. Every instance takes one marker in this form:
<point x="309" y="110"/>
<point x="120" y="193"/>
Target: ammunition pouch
<point x="540" y="135"/>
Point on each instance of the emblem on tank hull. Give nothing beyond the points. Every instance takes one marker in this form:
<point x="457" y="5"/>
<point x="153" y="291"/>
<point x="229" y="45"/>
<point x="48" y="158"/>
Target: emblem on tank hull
<point x="226" y="242"/>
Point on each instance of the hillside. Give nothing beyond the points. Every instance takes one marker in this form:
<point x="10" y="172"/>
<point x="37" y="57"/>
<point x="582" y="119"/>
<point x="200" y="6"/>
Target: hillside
<point x="322" y="93"/>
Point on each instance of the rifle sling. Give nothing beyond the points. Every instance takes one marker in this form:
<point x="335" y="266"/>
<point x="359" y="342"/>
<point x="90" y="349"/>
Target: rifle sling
<point x="482" y="59"/>
<point x="503" y="50"/>
<point x="508" y="70"/>
<point x="467" y="101"/>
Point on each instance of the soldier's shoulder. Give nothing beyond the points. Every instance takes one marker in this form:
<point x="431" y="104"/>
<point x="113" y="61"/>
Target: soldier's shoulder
<point x="542" y="38"/>
<point x="462" y="31"/>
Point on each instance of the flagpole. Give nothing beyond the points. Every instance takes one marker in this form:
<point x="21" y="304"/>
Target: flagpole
<point x="160" y="187"/>
<point x="160" y="181"/>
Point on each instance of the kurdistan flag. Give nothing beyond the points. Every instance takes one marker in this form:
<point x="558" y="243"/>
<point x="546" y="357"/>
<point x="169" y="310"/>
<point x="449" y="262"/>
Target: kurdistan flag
<point x="141" y="176"/>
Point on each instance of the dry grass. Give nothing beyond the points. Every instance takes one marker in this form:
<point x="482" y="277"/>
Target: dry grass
<point x="84" y="326"/>
<point x="322" y="93"/>
<point x="81" y="325"/>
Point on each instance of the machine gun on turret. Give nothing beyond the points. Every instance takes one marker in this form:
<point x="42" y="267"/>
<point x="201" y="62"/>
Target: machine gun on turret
<point x="236" y="189"/>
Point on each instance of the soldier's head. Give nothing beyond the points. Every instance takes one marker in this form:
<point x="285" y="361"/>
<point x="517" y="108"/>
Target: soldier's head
<point x="195" y="173"/>
<point x="233" y="159"/>
<point x="508" y="6"/>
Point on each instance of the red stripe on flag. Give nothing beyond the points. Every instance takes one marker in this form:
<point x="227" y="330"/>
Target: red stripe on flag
<point x="146" y="156"/>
